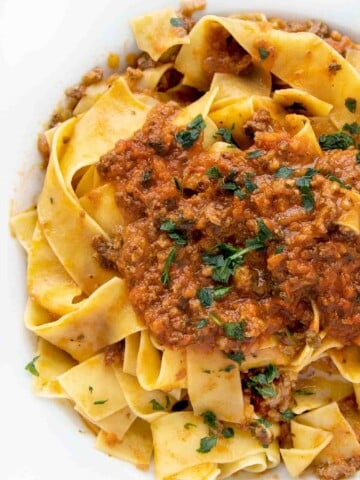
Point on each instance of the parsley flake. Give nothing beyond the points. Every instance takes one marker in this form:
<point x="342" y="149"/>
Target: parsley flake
<point x="210" y="419"/>
<point x="342" y="184"/>
<point x="91" y="389"/>
<point x="279" y="249"/>
<point x="284" y="172"/>
<point x="236" y="356"/>
<point x="235" y="330"/>
<point x="30" y="367"/>
<point x="338" y="140"/>
<point x="202" y="323"/>
<point x="165" y="276"/>
<point x="254" y="154"/>
<point x="226" y="135"/>
<point x="263" y="421"/>
<point x="357" y="158"/>
<point x="350" y="104"/>
<point x="214" y="173"/>
<point x="250" y="186"/>
<point x="156" y="405"/>
<point x="228" y="432"/>
<point x="177" y="22"/>
<point x="188" y="425"/>
<point x="304" y="392"/>
<point x="186" y="138"/>
<point x="352" y="128"/>
<point x="178" y="185"/>
<point x="263" y="53"/>
<point x="207" y="444"/>
<point x="261" y="383"/>
<point x="100" y="402"/>
<point x="304" y="183"/>
<point x="146" y="176"/>
<point x="227" y="369"/>
<point x="287" y="415"/>
<point x="174" y="233"/>
<point x="205" y="296"/>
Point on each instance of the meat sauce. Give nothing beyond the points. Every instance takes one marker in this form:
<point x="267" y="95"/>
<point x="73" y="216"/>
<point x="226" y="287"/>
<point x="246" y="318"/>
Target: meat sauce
<point x="306" y="256"/>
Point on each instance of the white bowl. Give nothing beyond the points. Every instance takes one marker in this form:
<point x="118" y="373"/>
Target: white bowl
<point x="45" y="47"/>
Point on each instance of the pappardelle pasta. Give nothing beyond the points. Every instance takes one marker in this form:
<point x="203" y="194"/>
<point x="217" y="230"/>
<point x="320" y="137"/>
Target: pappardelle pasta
<point x="194" y="255"/>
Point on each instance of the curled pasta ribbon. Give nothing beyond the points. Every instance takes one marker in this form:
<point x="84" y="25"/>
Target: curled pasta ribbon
<point x="176" y="429"/>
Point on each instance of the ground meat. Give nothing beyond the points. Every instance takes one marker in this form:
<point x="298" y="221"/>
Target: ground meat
<point x="114" y="354"/>
<point x="341" y="468"/>
<point x="157" y="181"/>
<point x="94" y="75"/>
<point x="261" y="122"/>
<point x="107" y="251"/>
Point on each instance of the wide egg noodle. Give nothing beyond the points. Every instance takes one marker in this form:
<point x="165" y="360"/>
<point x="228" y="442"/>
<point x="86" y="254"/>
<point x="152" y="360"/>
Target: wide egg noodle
<point x="155" y="34"/>
<point x="300" y="59"/>
<point x="347" y="361"/>
<point x="177" y="437"/>
<point x="344" y="443"/>
<point x="117" y="114"/>
<point x="106" y="317"/>
<point x="93" y="387"/>
<point x="135" y="447"/>
<point x="214" y="381"/>
<point x="51" y="363"/>
<point x="205" y="471"/>
<point x="23" y="226"/>
<point x="308" y="442"/>
<point x="313" y="106"/>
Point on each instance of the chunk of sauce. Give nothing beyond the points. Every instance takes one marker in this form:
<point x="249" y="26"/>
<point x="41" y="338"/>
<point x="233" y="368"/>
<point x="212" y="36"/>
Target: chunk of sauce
<point x="272" y="291"/>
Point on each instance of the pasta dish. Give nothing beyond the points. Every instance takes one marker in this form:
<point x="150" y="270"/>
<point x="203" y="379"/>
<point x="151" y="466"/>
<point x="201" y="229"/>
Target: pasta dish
<point x="194" y="254"/>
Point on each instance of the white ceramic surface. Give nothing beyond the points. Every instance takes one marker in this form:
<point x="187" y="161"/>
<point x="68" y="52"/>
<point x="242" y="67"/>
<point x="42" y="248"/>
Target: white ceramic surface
<point x="46" y="45"/>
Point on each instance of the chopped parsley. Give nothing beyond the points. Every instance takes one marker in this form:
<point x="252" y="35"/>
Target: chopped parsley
<point x="304" y="184"/>
<point x="263" y="53"/>
<point x="174" y="233"/>
<point x="350" y="104"/>
<point x="261" y="384"/>
<point x="304" y="392"/>
<point x="338" y="140"/>
<point x="146" y="176"/>
<point x="284" y="172"/>
<point x="352" y="128"/>
<point x="156" y="405"/>
<point x="279" y="249"/>
<point x="210" y="419"/>
<point x="235" y="330"/>
<point x="226" y="134"/>
<point x="177" y="22"/>
<point x="254" y="154"/>
<point x="263" y="421"/>
<point x="228" y="432"/>
<point x="100" y="402"/>
<point x="165" y="276"/>
<point x="202" y="323"/>
<point x="287" y="415"/>
<point x="207" y="444"/>
<point x="214" y="173"/>
<point x="207" y="295"/>
<point x="225" y="258"/>
<point x="30" y="367"/>
<point x="342" y="184"/>
<point x="227" y="369"/>
<point x="215" y="319"/>
<point x="186" y="138"/>
<point x="178" y="185"/>
<point x="91" y="389"/>
<point x="250" y="186"/>
<point x="358" y="158"/>
<point x="236" y="356"/>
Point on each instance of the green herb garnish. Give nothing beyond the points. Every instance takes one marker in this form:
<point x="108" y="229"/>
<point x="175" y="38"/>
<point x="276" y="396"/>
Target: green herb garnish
<point x="91" y="389"/>
<point x="304" y="392"/>
<point x="174" y="233"/>
<point x="342" y="184"/>
<point x="146" y="176"/>
<point x="226" y="134"/>
<point x="287" y="415"/>
<point x="189" y="425"/>
<point x="210" y="419"/>
<point x="207" y="444"/>
<point x="279" y="249"/>
<point x="165" y="276"/>
<point x="263" y="53"/>
<point x="156" y="405"/>
<point x="177" y="22"/>
<point x="186" y="138"/>
<point x="263" y="421"/>
<point x="235" y="330"/>
<point x="236" y="356"/>
<point x="338" y="140"/>
<point x="202" y="323"/>
<point x="350" y="104"/>
<point x="30" y="367"/>
<point x="178" y="185"/>
<point x="250" y="186"/>
<point x="205" y="295"/>
<point x="261" y="383"/>
<point x="284" y="172"/>
<point x="100" y="402"/>
<point x="227" y="369"/>
<point x="357" y="158"/>
<point x="214" y="173"/>
<point x="228" y="432"/>
<point x="352" y="128"/>
<point x="254" y="154"/>
<point x="304" y="183"/>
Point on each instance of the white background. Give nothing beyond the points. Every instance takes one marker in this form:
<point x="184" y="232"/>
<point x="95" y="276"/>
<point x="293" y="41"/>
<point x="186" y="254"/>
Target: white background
<point x="45" y="46"/>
